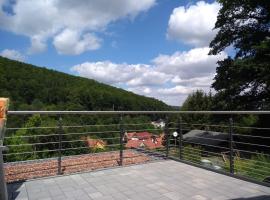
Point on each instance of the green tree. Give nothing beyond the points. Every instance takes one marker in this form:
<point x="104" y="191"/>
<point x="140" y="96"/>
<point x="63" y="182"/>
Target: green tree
<point x="197" y="101"/>
<point x="243" y="82"/>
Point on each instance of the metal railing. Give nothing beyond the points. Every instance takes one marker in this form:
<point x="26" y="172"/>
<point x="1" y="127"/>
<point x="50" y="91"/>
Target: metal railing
<point x="64" y="147"/>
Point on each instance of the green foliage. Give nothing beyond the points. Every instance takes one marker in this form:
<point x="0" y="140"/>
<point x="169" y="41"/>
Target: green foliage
<point x="192" y="153"/>
<point x="19" y="144"/>
<point x="34" y="88"/>
<point x="243" y="82"/>
<point x="197" y="101"/>
<point x="243" y="24"/>
<point x="257" y="167"/>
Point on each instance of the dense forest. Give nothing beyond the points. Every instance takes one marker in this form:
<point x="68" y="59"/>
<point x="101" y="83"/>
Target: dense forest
<point x="35" y="88"/>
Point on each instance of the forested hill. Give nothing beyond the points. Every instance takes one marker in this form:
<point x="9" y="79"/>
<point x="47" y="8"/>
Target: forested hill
<point x="34" y="88"/>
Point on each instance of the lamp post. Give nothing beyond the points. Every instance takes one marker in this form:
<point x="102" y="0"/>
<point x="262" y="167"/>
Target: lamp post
<point x="175" y="134"/>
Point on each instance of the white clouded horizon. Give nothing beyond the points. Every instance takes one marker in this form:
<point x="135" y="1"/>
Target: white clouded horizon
<point x="57" y="19"/>
<point x="12" y="54"/>
<point x="75" y="27"/>
<point x="169" y="78"/>
<point x="193" y="24"/>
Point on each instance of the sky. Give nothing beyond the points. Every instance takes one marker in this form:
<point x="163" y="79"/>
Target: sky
<point x="155" y="48"/>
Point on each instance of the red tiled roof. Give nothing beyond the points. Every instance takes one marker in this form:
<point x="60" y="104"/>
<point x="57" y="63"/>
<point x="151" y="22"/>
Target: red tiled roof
<point x="143" y="135"/>
<point x="149" y="143"/>
<point x="130" y="135"/>
<point x="133" y="143"/>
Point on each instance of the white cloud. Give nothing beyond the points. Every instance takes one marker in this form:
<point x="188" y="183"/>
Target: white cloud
<point x="171" y="96"/>
<point x="112" y="73"/>
<point x="177" y="90"/>
<point x="43" y="20"/>
<point x="194" y="24"/>
<point x="73" y="43"/>
<point x="12" y="54"/>
<point x="169" y="78"/>
<point x="201" y="82"/>
<point x="188" y="64"/>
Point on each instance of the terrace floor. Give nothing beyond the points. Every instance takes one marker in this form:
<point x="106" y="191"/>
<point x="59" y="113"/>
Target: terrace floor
<point x="159" y="180"/>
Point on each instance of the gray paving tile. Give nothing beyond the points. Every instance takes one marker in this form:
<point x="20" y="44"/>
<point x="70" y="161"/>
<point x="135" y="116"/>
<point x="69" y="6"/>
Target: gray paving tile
<point x="167" y="180"/>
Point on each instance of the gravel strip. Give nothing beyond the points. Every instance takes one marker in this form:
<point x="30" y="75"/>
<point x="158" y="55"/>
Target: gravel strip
<point x="20" y="171"/>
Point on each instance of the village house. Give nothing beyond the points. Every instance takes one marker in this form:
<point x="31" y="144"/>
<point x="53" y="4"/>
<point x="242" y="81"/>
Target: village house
<point x="143" y="140"/>
<point x="158" y="124"/>
<point x="94" y="143"/>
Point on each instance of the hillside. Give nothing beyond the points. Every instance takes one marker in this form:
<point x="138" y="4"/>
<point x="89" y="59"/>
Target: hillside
<point x="34" y="88"/>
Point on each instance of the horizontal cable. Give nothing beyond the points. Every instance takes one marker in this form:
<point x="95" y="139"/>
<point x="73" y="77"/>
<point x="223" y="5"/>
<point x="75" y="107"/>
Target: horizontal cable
<point x="75" y="126"/>
<point x="210" y="138"/>
<point x="55" y="166"/>
<point x="252" y="160"/>
<point x="154" y="129"/>
<point x="219" y="163"/>
<point x="215" y="153"/>
<point x="30" y="136"/>
<point x="68" y="141"/>
<point x="90" y="125"/>
<point x="243" y="165"/>
<point x="205" y="144"/>
<point x="88" y="163"/>
<point x="227" y="126"/>
<point x="54" y="150"/>
<point x="30" y="152"/>
<point x="31" y="128"/>
<point x="249" y="127"/>
<point x="246" y="143"/>
<point x="190" y="156"/>
<point x="31" y="144"/>
<point x="74" y="148"/>
<point x="257" y="174"/>
<point x="91" y="132"/>
<point x="182" y="123"/>
<point x="251" y="136"/>
<point x="72" y="155"/>
<point x="50" y="135"/>
<point x="263" y="154"/>
<point x="264" y="112"/>
<point x="210" y="125"/>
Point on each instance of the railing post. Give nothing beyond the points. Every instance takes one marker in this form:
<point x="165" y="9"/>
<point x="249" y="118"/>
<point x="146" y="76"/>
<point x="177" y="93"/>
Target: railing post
<point x="60" y="131"/>
<point x="3" y="185"/>
<point x="180" y="133"/>
<point x="3" y="110"/>
<point x="231" y="146"/>
<point x="166" y="130"/>
<point x="121" y="133"/>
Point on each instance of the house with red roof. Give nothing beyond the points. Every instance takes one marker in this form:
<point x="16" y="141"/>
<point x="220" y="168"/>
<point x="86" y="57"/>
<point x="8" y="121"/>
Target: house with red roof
<point x="143" y="140"/>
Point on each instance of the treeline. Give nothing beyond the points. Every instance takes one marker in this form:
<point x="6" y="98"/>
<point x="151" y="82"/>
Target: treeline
<point x="34" y="88"/>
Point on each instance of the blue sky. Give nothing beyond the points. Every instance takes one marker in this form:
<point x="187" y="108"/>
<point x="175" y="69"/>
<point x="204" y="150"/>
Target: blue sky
<point x="155" y="48"/>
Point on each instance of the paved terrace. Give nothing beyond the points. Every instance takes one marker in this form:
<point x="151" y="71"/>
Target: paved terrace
<point x="160" y="180"/>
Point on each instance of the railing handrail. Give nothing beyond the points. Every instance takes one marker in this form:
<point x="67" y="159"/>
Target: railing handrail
<point x="257" y="112"/>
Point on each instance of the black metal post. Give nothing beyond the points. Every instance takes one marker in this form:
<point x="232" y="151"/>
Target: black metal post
<point x="166" y="130"/>
<point x="60" y="131"/>
<point x="231" y="147"/>
<point x="121" y="141"/>
<point x="180" y="133"/>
